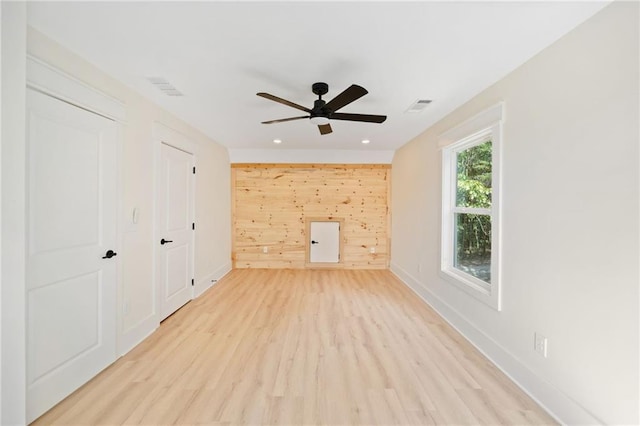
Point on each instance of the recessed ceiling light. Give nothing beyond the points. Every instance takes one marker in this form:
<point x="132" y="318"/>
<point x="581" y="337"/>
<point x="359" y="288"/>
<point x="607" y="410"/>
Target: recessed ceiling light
<point x="277" y="141"/>
<point x="365" y="141"/>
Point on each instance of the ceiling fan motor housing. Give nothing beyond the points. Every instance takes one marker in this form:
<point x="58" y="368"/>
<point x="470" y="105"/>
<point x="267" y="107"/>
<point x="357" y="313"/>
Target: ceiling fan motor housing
<point x="319" y="109"/>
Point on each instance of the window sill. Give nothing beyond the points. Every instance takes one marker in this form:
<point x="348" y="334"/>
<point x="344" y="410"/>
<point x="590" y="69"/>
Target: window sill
<point x="486" y="293"/>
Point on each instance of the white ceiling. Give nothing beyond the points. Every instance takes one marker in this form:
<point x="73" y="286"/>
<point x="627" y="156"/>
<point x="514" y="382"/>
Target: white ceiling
<point x="220" y="54"/>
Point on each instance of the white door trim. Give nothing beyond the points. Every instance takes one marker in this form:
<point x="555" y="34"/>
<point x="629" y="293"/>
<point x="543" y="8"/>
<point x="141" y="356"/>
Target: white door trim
<point x="163" y="134"/>
<point x="60" y="85"/>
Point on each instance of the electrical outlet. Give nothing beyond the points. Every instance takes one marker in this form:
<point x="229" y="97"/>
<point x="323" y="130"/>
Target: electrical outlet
<point x="265" y="249"/>
<point x="372" y="250"/>
<point x="540" y="344"/>
<point x="125" y="307"/>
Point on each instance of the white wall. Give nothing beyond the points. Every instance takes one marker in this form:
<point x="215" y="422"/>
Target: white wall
<point x="570" y="222"/>
<point x="12" y="293"/>
<point x="212" y="248"/>
<point x="213" y="235"/>
<point x="333" y="156"/>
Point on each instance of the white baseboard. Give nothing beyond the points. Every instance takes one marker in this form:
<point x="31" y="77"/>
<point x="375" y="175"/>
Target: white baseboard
<point x="208" y="281"/>
<point x="558" y="404"/>
<point x="135" y="335"/>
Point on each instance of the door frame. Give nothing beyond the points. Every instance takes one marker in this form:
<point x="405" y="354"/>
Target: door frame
<point x="163" y="134"/>
<point x="55" y="83"/>
<point x="307" y="245"/>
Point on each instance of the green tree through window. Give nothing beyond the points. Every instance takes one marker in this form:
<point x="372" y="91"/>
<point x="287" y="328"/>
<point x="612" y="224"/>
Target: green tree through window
<point x="473" y="230"/>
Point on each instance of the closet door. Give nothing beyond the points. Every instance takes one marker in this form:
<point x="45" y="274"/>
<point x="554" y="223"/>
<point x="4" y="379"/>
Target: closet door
<point x="71" y="240"/>
<point x="175" y="227"/>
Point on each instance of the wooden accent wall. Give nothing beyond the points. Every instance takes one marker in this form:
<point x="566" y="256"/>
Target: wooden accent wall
<point x="271" y="202"/>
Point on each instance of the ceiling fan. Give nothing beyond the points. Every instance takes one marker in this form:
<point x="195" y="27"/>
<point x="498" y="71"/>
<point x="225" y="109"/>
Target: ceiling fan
<point x="323" y="111"/>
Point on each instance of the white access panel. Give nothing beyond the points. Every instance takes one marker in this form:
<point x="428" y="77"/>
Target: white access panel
<point x="324" y="243"/>
<point x="71" y="225"/>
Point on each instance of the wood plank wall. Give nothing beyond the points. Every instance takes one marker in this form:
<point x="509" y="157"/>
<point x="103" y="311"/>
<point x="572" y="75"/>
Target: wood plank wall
<point x="271" y="203"/>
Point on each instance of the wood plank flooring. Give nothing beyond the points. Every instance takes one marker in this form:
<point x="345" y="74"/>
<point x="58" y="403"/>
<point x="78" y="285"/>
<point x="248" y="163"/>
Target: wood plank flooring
<point x="301" y="347"/>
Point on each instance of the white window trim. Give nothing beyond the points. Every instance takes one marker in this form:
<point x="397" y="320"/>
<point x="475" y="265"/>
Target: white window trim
<point x="461" y="137"/>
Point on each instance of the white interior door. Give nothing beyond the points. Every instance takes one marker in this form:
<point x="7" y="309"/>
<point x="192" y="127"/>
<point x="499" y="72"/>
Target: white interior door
<point x="324" y="244"/>
<point x="71" y="283"/>
<point x="175" y="219"/>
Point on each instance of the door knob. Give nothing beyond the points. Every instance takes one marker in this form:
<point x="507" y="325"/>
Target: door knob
<point x="109" y="254"/>
<point x="314" y="242"/>
<point x="163" y="241"/>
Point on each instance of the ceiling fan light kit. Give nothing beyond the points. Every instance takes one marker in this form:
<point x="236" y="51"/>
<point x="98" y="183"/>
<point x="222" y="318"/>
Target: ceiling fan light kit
<point x="319" y="121"/>
<point x="323" y="112"/>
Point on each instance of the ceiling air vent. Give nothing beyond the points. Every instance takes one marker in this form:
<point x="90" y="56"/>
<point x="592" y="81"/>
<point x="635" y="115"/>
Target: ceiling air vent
<point x="164" y="86"/>
<point x="419" y="105"/>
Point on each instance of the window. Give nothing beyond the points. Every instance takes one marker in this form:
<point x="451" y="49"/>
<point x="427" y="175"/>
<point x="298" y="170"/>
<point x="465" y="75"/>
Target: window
<point x="470" y="206"/>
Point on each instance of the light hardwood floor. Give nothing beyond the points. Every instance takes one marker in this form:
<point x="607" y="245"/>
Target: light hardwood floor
<point x="301" y="347"/>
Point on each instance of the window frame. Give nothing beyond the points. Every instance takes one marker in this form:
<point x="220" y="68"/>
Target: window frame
<point x="484" y="126"/>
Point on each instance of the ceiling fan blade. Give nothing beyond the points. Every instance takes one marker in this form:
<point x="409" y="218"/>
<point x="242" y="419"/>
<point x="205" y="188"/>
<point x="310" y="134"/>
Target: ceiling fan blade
<point x="325" y="129"/>
<point x="359" y="117"/>
<point x="283" y="101"/>
<point x="349" y="95"/>
<point x="285" y="119"/>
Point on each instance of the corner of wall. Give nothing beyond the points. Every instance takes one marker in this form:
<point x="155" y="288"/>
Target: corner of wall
<point x="12" y="292"/>
<point x="211" y="280"/>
